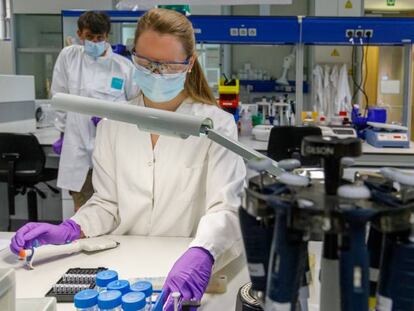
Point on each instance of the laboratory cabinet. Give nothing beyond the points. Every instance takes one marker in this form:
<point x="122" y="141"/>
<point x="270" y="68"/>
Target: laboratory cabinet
<point x="37" y="43"/>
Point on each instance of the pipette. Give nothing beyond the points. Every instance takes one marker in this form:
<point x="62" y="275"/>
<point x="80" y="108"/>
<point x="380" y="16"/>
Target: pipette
<point x="49" y="251"/>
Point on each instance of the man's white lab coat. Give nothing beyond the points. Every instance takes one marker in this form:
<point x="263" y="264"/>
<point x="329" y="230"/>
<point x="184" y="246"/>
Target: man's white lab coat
<point x="108" y="77"/>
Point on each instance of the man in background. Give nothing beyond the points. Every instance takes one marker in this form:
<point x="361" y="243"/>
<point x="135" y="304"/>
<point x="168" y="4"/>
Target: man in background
<point x="90" y="69"/>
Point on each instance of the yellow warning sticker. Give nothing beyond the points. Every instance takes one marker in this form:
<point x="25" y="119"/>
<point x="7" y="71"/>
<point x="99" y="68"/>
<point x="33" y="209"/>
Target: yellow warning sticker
<point x="348" y="4"/>
<point x="335" y="53"/>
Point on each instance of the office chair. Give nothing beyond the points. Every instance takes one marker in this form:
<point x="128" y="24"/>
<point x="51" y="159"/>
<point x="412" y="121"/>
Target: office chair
<point x="22" y="167"/>
<point x="285" y="143"/>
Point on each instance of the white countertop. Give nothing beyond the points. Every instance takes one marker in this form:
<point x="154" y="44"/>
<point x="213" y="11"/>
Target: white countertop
<point x="47" y="136"/>
<point x="249" y="141"/>
<point x="367" y="148"/>
<point x="134" y="257"/>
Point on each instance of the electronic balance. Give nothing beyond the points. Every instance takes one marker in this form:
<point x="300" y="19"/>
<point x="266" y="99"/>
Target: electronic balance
<point x="383" y="135"/>
<point x="338" y="131"/>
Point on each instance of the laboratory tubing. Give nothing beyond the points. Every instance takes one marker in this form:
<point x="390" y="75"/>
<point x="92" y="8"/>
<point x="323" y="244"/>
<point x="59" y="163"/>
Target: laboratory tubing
<point x="110" y="300"/>
<point x="105" y="277"/>
<point x="134" y="301"/>
<point x="121" y="285"/>
<point x="145" y="288"/>
<point x="86" y="300"/>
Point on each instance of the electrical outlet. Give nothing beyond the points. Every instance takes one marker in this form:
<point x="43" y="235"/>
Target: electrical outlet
<point x="368" y="33"/>
<point x="349" y="33"/>
<point x="359" y="33"/>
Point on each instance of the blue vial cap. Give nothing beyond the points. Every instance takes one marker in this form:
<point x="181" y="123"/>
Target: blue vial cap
<point x="133" y="301"/>
<point x="86" y="298"/>
<point x="143" y="287"/>
<point x="105" y="277"/>
<point x="121" y="285"/>
<point x="109" y="299"/>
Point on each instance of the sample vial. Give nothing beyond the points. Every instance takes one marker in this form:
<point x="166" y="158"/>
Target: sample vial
<point x="110" y="300"/>
<point x="134" y="301"/>
<point x="144" y="287"/>
<point x="86" y="300"/>
<point x="121" y="285"/>
<point x="105" y="277"/>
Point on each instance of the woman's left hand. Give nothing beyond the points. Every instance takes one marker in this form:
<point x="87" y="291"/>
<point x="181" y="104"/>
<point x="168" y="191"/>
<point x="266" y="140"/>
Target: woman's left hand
<point x="189" y="276"/>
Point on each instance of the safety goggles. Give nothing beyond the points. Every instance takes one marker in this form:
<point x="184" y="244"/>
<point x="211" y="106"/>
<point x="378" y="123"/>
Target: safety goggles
<point x="160" y="67"/>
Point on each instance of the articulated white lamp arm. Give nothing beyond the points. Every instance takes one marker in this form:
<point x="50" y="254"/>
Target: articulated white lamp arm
<point x="157" y="121"/>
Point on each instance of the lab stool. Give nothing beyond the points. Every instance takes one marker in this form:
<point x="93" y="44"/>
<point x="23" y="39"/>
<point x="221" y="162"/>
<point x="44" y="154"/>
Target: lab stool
<point x="22" y="167"/>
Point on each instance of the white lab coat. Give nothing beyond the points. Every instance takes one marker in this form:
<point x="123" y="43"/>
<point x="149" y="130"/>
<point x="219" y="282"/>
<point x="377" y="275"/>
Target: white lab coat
<point x="318" y="90"/>
<point x="331" y="90"/>
<point x="334" y="78"/>
<point x="108" y="77"/>
<point x="343" y="97"/>
<point x="327" y="91"/>
<point x="181" y="188"/>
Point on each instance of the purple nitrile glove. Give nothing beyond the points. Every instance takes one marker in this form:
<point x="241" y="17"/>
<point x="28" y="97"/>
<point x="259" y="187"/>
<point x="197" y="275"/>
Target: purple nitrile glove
<point x="57" y="145"/>
<point x="189" y="276"/>
<point x="96" y="120"/>
<point x="37" y="233"/>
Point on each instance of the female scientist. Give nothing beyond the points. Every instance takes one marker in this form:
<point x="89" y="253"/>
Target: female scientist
<point x="152" y="185"/>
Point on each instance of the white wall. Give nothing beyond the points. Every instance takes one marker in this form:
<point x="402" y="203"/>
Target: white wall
<point x="338" y="7"/>
<point x="324" y="54"/>
<point x="381" y="5"/>
<point x="391" y="64"/>
<point x="6" y="52"/>
<point x="356" y="10"/>
<point x="55" y="6"/>
<point x="325" y="7"/>
<point x="268" y="58"/>
<point x="298" y="7"/>
<point x="205" y="9"/>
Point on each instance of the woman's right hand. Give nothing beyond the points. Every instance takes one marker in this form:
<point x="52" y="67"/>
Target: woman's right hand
<point x="36" y="234"/>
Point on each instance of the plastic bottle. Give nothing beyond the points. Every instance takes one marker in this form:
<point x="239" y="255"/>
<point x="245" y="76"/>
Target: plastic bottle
<point x="134" y="301"/>
<point x="246" y="123"/>
<point x="110" y="300"/>
<point x="145" y="288"/>
<point x="121" y="285"/>
<point x="86" y="300"/>
<point x="105" y="277"/>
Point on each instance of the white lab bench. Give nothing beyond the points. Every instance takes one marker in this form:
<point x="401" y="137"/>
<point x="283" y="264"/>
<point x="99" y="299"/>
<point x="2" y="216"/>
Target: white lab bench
<point x="46" y="137"/>
<point x="134" y="257"/>
<point x="371" y="157"/>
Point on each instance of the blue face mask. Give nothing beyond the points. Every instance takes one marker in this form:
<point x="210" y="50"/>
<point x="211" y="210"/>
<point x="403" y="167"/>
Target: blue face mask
<point x="95" y="49"/>
<point x="159" y="88"/>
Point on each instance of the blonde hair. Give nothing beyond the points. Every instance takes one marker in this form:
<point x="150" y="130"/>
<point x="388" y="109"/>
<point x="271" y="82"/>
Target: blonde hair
<point x="173" y="23"/>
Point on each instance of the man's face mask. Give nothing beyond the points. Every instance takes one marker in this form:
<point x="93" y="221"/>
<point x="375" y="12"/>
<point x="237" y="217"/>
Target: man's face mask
<point x="95" y="49"/>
